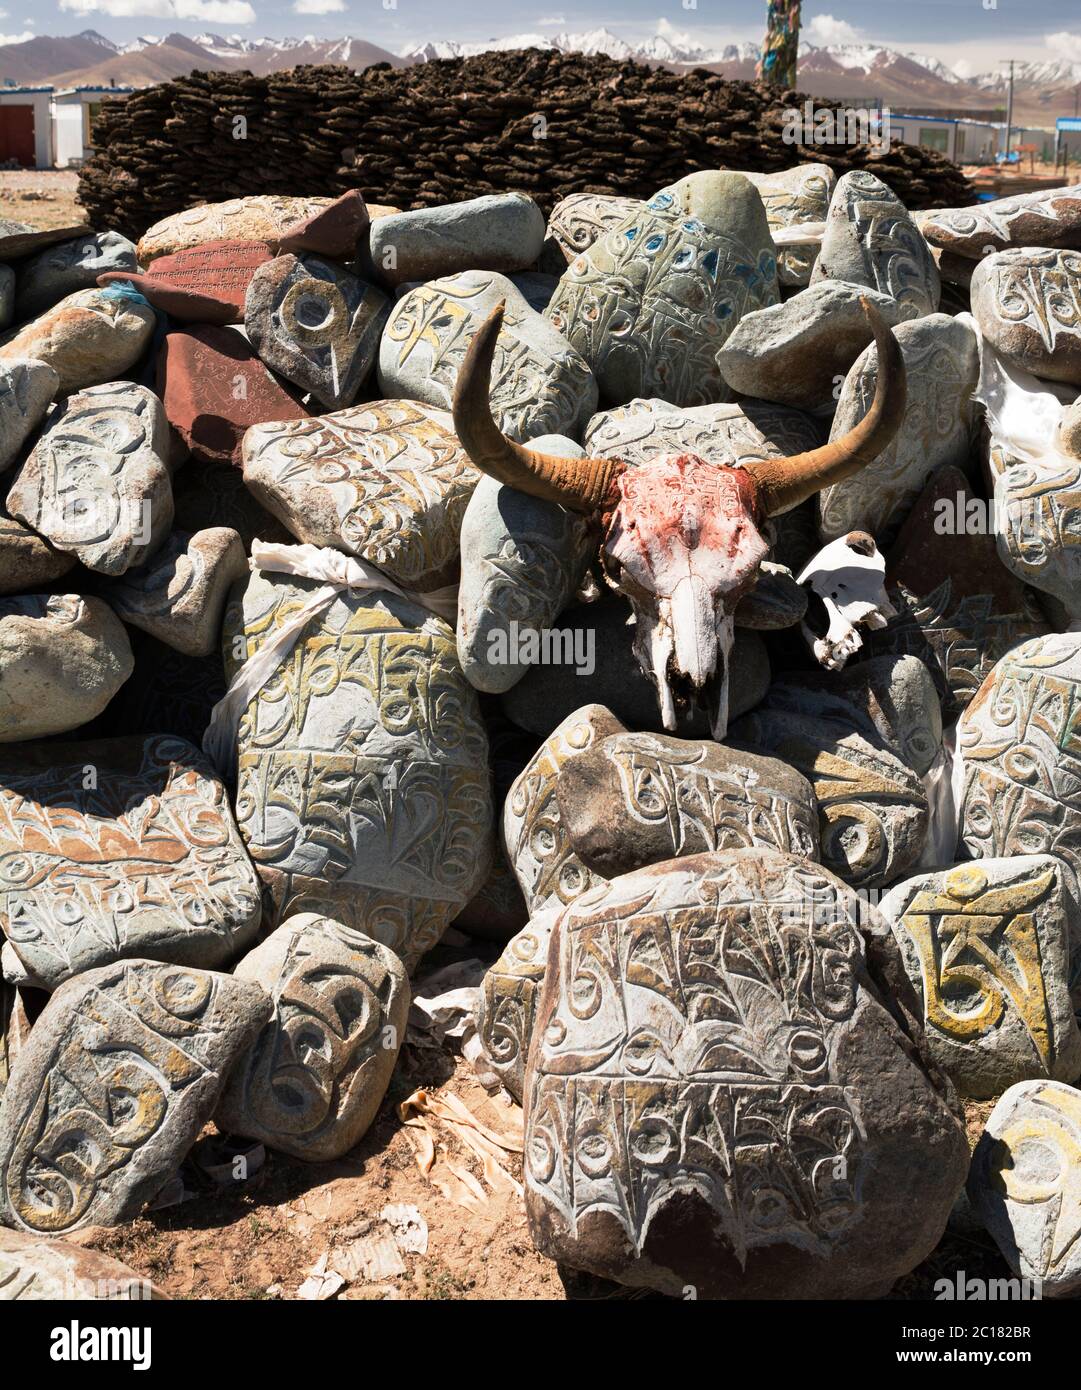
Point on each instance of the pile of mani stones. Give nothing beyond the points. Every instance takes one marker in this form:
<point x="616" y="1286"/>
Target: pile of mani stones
<point x="677" y="598"/>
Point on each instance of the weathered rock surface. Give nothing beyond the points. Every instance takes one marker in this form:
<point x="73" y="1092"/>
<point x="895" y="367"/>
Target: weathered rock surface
<point x="792" y="198"/>
<point x="507" y="1004"/>
<point x="335" y="230"/>
<point x="502" y="231"/>
<point x="726" y="434"/>
<point x="122" y="1072"/>
<point x="264" y="218"/>
<point x="871" y="240"/>
<point x="363" y="787"/>
<point x="387" y="481"/>
<point x="7" y="295"/>
<point x="798" y="353"/>
<point x="33" y="1270"/>
<point x="540" y="384"/>
<point x="312" y="1080"/>
<point x="942" y="367"/>
<point x="88" y="338"/>
<point x="1021" y="774"/>
<point x="1023" y="1183"/>
<point x="888" y="699"/>
<point x="987" y="948"/>
<point x="1048" y="217"/>
<point x="180" y="594"/>
<point x="125" y="847"/>
<point x="638" y="799"/>
<point x="97" y="482"/>
<point x="60" y="270"/>
<point x="534" y="837"/>
<point x="1037" y="532"/>
<point x="27" y="389"/>
<point x="872" y="807"/>
<point x="645" y="1160"/>
<point x="577" y="222"/>
<point x="1028" y="305"/>
<point x="62" y="659"/>
<point x="958" y="608"/>
<point x="214" y="387"/>
<point x="522" y="561"/>
<point x="650" y="304"/>
<point x="27" y="562"/>
<point x="315" y="323"/>
<point x="216" y="273"/>
<point x="19" y="239"/>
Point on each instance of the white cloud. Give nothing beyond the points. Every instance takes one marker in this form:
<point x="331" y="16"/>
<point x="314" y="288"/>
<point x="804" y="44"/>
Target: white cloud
<point x="963" y="68"/>
<point x="1065" y="45"/>
<point x="668" y="30"/>
<point x="824" y="29"/>
<point x="16" y="38"/>
<point x="318" y="7"/>
<point x="208" y="11"/>
<point x="552" y="21"/>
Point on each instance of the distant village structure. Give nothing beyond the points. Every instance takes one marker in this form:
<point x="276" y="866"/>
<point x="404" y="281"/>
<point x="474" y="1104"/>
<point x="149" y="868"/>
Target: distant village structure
<point x="43" y="128"/>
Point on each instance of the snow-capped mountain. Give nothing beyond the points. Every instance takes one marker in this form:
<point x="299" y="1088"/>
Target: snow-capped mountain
<point x="842" y="71"/>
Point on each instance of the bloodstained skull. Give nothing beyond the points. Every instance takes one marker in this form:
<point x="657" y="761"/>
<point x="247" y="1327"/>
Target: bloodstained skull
<point x="680" y="535"/>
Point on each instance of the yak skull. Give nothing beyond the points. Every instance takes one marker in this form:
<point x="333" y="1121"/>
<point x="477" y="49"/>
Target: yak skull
<point x="681" y="535"/>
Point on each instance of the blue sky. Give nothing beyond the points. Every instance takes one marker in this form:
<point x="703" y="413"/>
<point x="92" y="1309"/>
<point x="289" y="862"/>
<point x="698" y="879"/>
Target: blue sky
<point x="977" y="34"/>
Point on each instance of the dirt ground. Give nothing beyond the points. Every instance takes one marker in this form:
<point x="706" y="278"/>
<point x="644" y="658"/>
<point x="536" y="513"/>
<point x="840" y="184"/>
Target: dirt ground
<point x="42" y="198"/>
<point x="262" y="1238"/>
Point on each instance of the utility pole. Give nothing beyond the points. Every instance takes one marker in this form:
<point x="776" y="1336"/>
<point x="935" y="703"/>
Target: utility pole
<point x="1009" y="107"/>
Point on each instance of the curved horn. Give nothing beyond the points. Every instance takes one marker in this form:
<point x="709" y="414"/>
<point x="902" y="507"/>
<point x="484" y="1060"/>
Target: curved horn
<point x="784" y="483"/>
<point x="584" y="485"/>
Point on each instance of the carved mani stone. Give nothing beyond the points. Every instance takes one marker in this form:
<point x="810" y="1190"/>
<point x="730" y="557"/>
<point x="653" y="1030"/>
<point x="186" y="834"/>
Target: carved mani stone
<point x="534" y="837"/>
<point x="942" y="367"/>
<point x="1018" y="740"/>
<point x="363" y="788"/>
<point x="958" y="608"/>
<point x="507" y="1004"/>
<point x="122" y="1071"/>
<point x="503" y="231"/>
<point x="576" y="223"/>
<point x="540" y="384"/>
<point x="725" y="434"/>
<point x="387" y="481"/>
<point x="1028" y="306"/>
<point x="522" y="560"/>
<point x="871" y="240"/>
<point x="638" y="799"/>
<point x="118" y="848"/>
<point x="33" y="1270"/>
<point x="987" y="948"/>
<point x="716" y="1097"/>
<point x="1038" y="510"/>
<point x="1025" y="1183"/>
<point x="97" y="482"/>
<point x="1047" y="217"/>
<point x="316" y="324"/>
<point x="872" y="807"/>
<point x="791" y="198"/>
<point x="650" y="304"/>
<point x="179" y="595"/>
<point x="312" y="1081"/>
<point x="62" y="659"/>
<point x="264" y="217"/>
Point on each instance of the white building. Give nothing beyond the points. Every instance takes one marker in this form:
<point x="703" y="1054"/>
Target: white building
<point x="26" y="126"/>
<point x="74" y="111"/>
<point x="963" y="141"/>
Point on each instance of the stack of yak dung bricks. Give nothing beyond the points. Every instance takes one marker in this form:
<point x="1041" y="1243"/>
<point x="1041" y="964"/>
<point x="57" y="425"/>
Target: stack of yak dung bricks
<point x="546" y="123"/>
